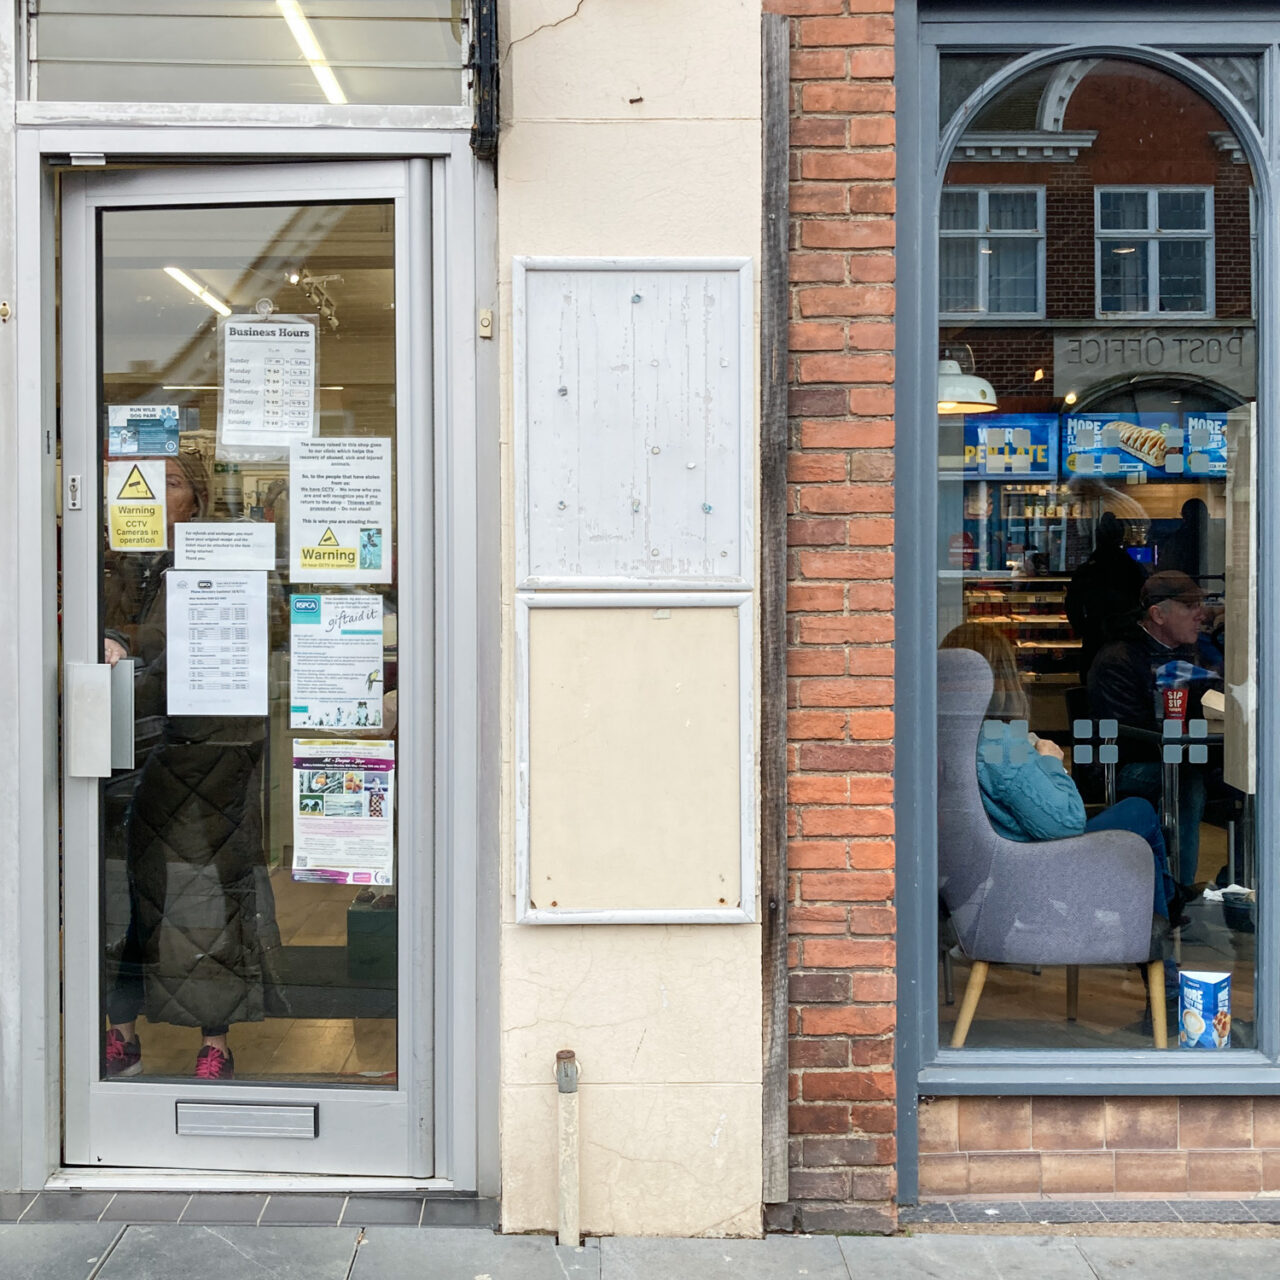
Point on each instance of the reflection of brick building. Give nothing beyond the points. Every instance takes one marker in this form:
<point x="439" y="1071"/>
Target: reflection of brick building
<point x="1128" y="112"/>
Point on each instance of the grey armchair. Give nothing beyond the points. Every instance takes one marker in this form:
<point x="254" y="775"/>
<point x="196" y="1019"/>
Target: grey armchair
<point x="1079" y="901"/>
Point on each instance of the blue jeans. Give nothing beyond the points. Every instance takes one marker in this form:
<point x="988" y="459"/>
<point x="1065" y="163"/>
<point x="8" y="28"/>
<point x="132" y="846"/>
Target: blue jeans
<point x="1139" y="816"/>
<point x="1146" y="779"/>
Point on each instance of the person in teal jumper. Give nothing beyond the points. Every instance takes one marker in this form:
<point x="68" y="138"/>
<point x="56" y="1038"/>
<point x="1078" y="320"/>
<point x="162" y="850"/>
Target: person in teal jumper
<point x="1026" y="790"/>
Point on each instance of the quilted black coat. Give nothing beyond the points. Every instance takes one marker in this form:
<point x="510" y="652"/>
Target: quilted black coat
<point x="202" y="910"/>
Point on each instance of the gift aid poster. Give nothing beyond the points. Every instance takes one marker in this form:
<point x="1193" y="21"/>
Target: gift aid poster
<point x="340" y="510"/>
<point x="135" y="505"/>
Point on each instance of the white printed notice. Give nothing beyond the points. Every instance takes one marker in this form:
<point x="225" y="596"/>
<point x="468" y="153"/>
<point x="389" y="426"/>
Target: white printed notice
<point x="241" y="544"/>
<point x="268" y="385"/>
<point x="343" y="829"/>
<point x="340" y="510"/>
<point x="217" y="643"/>
<point x="335" y="662"/>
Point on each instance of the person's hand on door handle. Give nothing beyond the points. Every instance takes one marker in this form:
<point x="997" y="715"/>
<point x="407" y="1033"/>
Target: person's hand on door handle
<point x="112" y="651"/>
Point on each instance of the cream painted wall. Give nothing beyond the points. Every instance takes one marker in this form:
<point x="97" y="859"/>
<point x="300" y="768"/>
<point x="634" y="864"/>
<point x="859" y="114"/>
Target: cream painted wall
<point x="665" y="1020"/>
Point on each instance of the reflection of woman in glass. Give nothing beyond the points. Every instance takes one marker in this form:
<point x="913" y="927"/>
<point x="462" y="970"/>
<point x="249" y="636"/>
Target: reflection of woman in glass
<point x="201" y="909"/>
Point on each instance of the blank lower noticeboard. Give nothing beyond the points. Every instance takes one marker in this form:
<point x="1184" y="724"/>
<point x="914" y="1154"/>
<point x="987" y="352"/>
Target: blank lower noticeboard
<point x="634" y="416"/>
<point x="634" y="746"/>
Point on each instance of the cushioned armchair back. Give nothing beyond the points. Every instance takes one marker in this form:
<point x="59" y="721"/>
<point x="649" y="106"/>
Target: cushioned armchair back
<point x="1082" y="900"/>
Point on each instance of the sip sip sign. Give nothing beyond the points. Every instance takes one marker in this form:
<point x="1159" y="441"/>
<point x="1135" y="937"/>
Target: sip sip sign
<point x="1011" y="446"/>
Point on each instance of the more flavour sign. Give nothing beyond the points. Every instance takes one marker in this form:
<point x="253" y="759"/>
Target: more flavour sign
<point x="1154" y="445"/>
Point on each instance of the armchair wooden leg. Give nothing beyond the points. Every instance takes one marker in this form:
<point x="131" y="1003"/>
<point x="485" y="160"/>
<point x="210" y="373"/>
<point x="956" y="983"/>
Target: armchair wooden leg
<point x="1155" y="985"/>
<point x="969" y="1005"/>
<point x="1073" y="991"/>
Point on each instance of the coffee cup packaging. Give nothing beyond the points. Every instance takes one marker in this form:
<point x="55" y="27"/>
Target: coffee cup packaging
<point x="1204" y="1010"/>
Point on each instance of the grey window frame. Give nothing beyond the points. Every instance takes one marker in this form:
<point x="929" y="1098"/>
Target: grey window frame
<point x="1151" y="237"/>
<point x="925" y="29"/>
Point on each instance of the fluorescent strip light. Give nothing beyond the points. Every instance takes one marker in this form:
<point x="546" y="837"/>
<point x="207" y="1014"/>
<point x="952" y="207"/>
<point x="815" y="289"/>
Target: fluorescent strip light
<point x="194" y="286"/>
<point x="310" y="48"/>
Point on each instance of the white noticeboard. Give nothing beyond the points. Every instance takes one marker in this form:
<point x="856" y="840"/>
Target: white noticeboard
<point x="635" y="412"/>
<point x="340" y="510"/>
<point x="335" y="662"/>
<point x="344" y="806"/>
<point x="635" y="797"/>
<point x="268" y="385"/>
<point x="216" y="643"/>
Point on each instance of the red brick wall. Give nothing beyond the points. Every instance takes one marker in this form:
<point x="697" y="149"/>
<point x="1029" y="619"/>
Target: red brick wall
<point x="841" y="629"/>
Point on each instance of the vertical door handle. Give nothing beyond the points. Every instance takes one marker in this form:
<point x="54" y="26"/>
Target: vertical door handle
<point x="86" y="692"/>
<point x="98" y="716"/>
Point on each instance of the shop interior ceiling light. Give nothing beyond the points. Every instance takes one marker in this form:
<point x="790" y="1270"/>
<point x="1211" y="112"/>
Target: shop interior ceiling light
<point x="194" y="286"/>
<point x="963" y="392"/>
<point x="306" y="41"/>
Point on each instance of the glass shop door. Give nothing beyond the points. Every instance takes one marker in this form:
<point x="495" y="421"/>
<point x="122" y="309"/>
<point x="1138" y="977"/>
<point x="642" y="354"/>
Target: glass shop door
<point x="245" y="542"/>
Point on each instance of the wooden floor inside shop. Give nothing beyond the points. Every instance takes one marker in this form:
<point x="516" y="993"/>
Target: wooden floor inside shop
<point x="335" y="1050"/>
<point x="1022" y="1008"/>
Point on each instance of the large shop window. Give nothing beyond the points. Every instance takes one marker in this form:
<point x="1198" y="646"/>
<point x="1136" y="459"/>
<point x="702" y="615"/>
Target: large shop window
<point x="1096" y="566"/>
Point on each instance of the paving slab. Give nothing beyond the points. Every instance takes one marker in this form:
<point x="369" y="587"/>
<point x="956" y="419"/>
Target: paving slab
<point x="951" y="1257"/>
<point x="990" y="1211"/>
<point x="1063" y="1211"/>
<point x="460" y="1253"/>
<point x="146" y="1206"/>
<point x="1212" y="1211"/>
<point x="229" y="1253"/>
<point x="66" y="1251"/>
<point x="1187" y="1258"/>
<point x="14" y="1203"/>
<point x="773" y="1258"/>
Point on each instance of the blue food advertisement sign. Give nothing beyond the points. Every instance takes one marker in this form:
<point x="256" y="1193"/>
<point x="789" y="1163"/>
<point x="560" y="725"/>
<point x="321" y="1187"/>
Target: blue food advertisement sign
<point x="1155" y="445"/>
<point x="1011" y="446"/>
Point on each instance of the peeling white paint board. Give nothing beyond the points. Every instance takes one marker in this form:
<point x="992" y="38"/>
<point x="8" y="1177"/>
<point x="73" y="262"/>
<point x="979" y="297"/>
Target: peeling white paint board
<point x="635" y="743"/>
<point x="634" y="420"/>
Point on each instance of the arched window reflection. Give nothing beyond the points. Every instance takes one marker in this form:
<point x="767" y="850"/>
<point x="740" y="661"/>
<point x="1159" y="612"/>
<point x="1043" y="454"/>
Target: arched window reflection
<point x="1097" y="356"/>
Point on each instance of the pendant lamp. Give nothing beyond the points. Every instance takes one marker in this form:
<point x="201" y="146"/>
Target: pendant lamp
<point x="963" y="392"/>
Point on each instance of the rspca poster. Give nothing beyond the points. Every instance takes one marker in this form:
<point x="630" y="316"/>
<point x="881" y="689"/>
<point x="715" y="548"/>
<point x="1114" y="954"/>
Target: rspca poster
<point x="335" y="668"/>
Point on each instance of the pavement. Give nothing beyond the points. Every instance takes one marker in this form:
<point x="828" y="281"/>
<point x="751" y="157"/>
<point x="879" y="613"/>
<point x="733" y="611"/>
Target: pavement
<point x="167" y="1251"/>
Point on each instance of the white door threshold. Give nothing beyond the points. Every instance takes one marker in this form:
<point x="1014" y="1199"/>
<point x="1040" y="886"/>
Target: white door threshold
<point x="77" y="1179"/>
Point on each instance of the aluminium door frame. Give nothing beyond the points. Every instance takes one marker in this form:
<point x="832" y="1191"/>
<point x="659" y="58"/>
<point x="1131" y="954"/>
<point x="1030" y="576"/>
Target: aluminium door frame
<point x="100" y="1115"/>
<point x="466" y="505"/>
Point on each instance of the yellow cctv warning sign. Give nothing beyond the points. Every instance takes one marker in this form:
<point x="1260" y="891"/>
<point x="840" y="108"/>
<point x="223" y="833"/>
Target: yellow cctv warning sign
<point x="328" y="553"/>
<point x="135" y="505"/>
<point x="136" y="488"/>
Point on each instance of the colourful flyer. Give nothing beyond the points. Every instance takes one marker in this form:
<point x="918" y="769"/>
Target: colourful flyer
<point x="344" y="811"/>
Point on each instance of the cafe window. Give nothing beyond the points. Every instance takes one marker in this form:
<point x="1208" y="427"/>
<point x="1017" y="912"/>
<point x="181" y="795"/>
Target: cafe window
<point x="1154" y="251"/>
<point x="991" y="251"/>
<point x="1096" y="570"/>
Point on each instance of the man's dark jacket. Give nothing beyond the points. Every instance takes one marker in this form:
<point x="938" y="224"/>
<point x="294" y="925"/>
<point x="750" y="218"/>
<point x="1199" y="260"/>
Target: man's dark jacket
<point x="1122" y="685"/>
